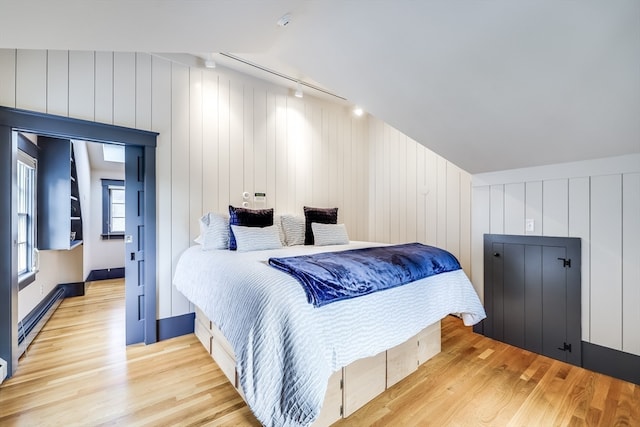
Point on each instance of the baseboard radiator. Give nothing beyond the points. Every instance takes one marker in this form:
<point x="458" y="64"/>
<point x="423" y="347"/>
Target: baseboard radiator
<point x="32" y="324"/>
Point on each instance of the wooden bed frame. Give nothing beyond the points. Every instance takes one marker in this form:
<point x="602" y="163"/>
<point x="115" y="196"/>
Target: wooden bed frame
<point x="349" y="388"/>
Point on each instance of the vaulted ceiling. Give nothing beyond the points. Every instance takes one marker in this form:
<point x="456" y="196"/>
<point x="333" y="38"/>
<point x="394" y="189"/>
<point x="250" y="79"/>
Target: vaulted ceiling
<point x="490" y="85"/>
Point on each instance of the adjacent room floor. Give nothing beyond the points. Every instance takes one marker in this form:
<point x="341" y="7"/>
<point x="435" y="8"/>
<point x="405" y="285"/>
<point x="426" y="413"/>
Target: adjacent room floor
<point x="79" y="372"/>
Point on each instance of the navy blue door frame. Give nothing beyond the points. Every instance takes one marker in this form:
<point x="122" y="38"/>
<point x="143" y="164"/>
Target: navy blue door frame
<point x="44" y="124"/>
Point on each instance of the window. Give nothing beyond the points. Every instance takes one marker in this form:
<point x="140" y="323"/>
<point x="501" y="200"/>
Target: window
<point x="26" y="187"/>
<point x="116" y="214"/>
<point x="112" y="209"/>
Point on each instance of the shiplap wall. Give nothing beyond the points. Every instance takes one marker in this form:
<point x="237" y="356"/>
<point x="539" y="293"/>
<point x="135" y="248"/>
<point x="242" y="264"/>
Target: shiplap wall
<point x="598" y="201"/>
<point x="416" y="195"/>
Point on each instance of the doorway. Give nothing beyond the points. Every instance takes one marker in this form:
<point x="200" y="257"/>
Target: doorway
<point x="143" y="143"/>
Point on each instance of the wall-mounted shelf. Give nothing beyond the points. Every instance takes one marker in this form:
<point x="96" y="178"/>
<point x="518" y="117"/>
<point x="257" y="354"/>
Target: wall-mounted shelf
<point x="59" y="210"/>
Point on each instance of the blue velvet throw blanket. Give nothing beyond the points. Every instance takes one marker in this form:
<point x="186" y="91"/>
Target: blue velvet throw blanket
<point x="334" y="276"/>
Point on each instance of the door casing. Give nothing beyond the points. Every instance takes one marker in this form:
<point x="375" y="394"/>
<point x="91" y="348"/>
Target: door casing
<point x="63" y="127"/>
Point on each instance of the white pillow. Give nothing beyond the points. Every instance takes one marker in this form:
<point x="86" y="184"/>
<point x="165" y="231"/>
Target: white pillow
<point x="329" y="234"/>
<point x="294" y="227"/>
<point x="277" y="221"/>
<point x="256" y="238"/>
<point x="214" y="232"/>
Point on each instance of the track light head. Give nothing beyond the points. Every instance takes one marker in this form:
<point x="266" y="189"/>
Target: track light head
<point x="284" y="20"/>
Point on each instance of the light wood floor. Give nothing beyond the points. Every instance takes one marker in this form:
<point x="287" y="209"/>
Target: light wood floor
<point x="79" y="372"/>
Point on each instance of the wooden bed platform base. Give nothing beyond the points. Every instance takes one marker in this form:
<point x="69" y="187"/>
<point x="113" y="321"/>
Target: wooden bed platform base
<point x="349" y="388"/>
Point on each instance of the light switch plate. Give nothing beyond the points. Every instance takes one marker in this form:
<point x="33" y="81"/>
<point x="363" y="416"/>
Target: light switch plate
<point x="3" y="370"/>
<point x="529" y="224"/>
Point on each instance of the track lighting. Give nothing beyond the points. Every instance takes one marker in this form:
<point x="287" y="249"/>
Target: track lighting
<point x="298" y="92"/>
<point x="284" y="20"/>
<point x="358" y="111"/>
<point x="209" y="62"/>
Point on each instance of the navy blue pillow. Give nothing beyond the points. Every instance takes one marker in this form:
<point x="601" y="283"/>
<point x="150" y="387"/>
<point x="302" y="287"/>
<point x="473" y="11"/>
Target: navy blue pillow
<point x="321" y="215"/>
<point x="248" y="218"/>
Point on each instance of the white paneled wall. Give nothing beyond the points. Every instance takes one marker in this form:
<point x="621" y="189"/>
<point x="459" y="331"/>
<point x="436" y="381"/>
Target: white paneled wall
<point x="58" y="82"/>
<point x="220" y="134"/>
<point x="597" y="201"/>
<point x="631" y="263"/>
<point x="84" y="86"/>
<point x="606" y="254"/>
<point x="416" y="195"/>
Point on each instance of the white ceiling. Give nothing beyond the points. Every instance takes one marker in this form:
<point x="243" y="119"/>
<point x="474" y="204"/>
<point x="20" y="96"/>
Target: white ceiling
<point x="490" y="85"/>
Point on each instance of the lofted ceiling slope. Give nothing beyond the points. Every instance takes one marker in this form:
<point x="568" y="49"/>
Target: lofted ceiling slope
<point x="489" y="85"/>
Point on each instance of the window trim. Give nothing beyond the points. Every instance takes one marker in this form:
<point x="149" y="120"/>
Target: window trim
<point x="24" y="156"/>
<point x="106" y="204"/>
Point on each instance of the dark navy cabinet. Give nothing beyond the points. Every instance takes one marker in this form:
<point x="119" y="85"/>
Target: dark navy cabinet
<point x="532" y="294"/>
<point x="59" y="210"/>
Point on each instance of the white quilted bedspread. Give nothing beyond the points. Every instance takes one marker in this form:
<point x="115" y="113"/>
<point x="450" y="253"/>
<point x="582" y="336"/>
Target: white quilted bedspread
<point x="285" y="348"/>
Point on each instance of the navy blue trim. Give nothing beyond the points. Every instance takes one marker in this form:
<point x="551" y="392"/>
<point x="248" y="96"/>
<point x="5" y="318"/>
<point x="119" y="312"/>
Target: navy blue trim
<point x="107" y="182"/>
<point x="75" y="289"/>
<point x="106" y="203"/>
<point x="171" y="327"/>
<point x="8" y="252"/>
<point x="105" y="274"/>
<point x="150" y="242"/>
<point x="615" y="363"/>
<point x="478" y="328"/>
<point x="26" y="145"/>
<point x="64" y="127"/>
<point x="25" y="281"/>
<point x="112" y="236"/>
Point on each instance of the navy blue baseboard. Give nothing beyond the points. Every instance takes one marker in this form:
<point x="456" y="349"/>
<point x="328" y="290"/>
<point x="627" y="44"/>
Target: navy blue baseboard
<point x="604" y="360"/>
<point x="171" y="327"/>
<point x="608" y="361"/>
<point x="75" y="289"/>
<point x="106" y="274"/>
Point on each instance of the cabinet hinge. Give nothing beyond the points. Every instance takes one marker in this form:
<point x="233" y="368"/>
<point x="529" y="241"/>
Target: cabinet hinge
<point x="566" y="262"/>
<point x="341" y="411"/>
<point x="565" y="347"/>
<point x="341" y="384"/>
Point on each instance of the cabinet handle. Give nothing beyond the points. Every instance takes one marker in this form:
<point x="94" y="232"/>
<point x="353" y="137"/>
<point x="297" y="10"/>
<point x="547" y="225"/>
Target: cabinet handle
<point x="496" y="254"/>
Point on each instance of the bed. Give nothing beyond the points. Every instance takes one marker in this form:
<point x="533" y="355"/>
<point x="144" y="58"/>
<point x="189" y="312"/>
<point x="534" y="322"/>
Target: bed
<point x="296" y="364"/>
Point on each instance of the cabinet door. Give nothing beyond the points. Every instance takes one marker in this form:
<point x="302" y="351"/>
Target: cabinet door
<point x="532" y="294"/>
<point x="554" y="303"/>
<point x="429" y="342"/>
<point x="54" y="193"/>
<point x="402" y="360"/>
<point x="332" y="406"/>
<point x="364" y="379"/>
